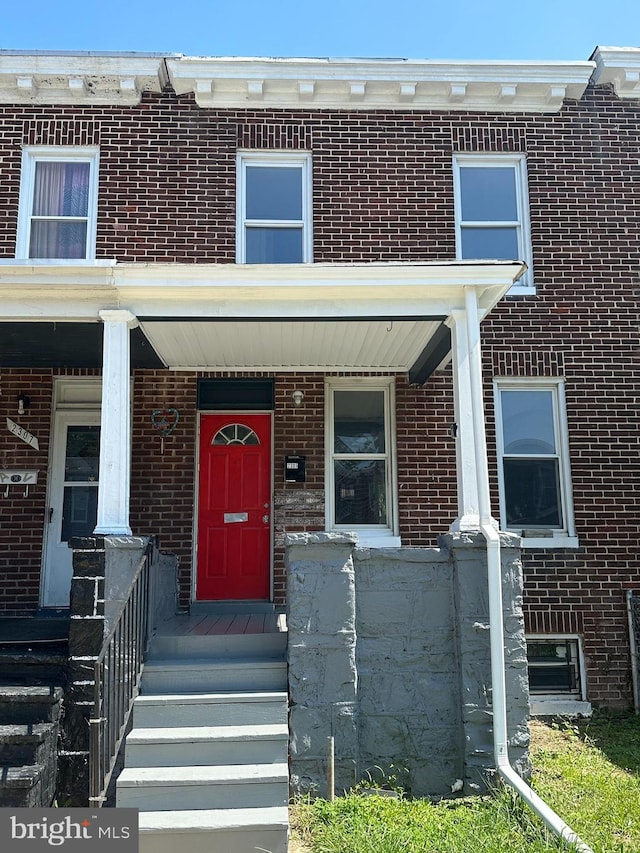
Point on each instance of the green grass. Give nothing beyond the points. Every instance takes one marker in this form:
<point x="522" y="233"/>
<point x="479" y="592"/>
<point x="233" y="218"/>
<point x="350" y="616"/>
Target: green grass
<point x="590" y="774"/>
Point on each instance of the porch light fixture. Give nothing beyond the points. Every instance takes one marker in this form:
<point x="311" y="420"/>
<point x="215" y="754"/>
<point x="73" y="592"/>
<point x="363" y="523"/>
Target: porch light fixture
<point x="23" y="403"/>
<point x="297" y="397"/>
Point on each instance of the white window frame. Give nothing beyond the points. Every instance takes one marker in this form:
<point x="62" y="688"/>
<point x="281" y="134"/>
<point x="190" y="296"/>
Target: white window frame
<point x="564" y="537"/>
<point x="284" y="160"/>
<point x="568" y="703"/>
<point x="518" y="163"/>
<point x="381" y="536"/>
<point x="61" y="154"/>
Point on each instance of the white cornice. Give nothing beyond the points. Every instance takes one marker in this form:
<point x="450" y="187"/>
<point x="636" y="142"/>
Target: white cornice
<point x="620" y="66"/>
<point x="365" y="84"/>
<point x="78" y="79"/>
<point x="257" y="82"/>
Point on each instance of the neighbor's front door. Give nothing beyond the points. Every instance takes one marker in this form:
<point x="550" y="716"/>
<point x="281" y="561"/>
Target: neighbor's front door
<point x="234" y="508"/>
<point x="73" y="498"/>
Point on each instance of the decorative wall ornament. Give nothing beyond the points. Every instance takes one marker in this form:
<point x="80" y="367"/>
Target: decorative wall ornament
<point x="164" y="421"/>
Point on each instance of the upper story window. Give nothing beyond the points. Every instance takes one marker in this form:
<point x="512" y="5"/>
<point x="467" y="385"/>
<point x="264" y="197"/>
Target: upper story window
<point x="274" y="208"/>
<point x="360" y="460"/>
<point x="492" y="210"/>
<point x="58" y="203"/>
<point x="533" y="475"/>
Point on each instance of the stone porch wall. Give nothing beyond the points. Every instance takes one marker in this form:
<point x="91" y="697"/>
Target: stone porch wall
<point x="389" y="653"/>
<point x="103" y="567"/>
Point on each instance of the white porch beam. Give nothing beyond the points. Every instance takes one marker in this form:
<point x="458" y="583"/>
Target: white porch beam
<point x="115" y="431"/>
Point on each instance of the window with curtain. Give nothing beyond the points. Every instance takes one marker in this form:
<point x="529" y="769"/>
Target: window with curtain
<point x="58" y="205"/>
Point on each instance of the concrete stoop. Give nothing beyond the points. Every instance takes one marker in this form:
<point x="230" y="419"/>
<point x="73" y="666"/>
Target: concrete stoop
<point x="206" y="761"/>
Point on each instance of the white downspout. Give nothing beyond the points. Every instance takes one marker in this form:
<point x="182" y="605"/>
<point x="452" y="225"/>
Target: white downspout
<point x="496" y="619"/>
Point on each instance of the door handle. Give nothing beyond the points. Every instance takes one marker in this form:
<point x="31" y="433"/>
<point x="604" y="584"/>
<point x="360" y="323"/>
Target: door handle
<point x="265" y="519"/>
<point x="50" y="514"/>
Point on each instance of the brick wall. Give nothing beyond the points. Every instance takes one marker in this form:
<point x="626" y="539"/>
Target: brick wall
<point x="22" y="518"/>
<point x="383" y="190"/>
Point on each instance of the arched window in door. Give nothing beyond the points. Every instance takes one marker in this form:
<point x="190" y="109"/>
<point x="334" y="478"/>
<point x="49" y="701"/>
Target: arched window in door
<point x="235" y="434"/>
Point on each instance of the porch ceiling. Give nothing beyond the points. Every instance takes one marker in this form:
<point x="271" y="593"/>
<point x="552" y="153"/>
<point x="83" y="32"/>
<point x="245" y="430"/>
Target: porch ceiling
<point x="302" y="345"/>
<point x="60" y="344"/>
<point x="330" y="317"/>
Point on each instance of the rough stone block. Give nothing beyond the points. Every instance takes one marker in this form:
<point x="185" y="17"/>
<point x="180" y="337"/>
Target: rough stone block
<point x="397" y="737"/>
<point x="436" y="693"/>
<point x="85" y="635"/>
<point x="311" y="727"/>
<point x="310" y="776"/>
<point x="75" y="729"/>
<point x="321" y="604"/>
<point x="320" y="674"/>
<point x="433" y="777"/>
<point x="73" y="779"/>
<point x="88" y="563"/>
<point x="381" y="570"/>
<point x="85" y="593"/>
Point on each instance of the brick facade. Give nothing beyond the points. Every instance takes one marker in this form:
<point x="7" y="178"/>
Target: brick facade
<point x="382" y="191"/>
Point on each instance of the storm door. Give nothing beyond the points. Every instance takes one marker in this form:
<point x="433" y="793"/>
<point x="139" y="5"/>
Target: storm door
<point x="73" y="498"/>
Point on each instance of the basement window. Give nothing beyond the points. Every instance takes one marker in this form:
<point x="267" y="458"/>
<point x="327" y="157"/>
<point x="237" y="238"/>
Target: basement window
<point x="554" y="665"/>
<point x="556" y="675"/>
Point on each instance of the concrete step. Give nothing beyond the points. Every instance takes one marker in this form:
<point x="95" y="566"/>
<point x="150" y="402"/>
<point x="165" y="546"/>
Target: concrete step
<point x="22" y="744"/>
<point x="206" y="745"/>
<point x="225" y="787"/>
<point x="210" y="709"/>
<point x="190" y="676"/>
<point x="219" y="646"/>
<point x="215" y="830"/>
<point x="235" y="608"/>
<point x="22" y="704"/>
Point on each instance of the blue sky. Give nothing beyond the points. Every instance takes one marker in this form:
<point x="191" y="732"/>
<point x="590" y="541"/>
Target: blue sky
<point x="413" y="29"/>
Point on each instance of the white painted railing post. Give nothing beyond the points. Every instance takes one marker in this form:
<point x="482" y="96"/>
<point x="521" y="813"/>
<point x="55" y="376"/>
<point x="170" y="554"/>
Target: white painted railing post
<point x="115" y="432"/>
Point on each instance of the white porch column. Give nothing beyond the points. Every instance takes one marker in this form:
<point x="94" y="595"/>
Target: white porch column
<point x="471" y="444"/>
<point x="115" y="430"/>
<point x="468" y="503"/>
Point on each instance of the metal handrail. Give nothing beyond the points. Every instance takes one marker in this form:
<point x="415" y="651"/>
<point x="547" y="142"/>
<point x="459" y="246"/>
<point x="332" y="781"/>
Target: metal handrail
<point x="117" y="673"/>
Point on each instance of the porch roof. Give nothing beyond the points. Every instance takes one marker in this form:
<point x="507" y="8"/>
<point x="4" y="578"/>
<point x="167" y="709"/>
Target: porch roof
<point x="316" y="317"/>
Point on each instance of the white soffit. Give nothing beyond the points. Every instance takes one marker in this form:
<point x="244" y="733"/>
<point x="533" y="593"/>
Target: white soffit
<point x="360" y="84"/>
<point x="46" y="78"/>
<point x="283" y="345"/>
<point x="620" y="66"/>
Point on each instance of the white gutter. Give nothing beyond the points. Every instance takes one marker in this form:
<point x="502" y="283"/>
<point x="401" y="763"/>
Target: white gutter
<point x="492" y="537"/>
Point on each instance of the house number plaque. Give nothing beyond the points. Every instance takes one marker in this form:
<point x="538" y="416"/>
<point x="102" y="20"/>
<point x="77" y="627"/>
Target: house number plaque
<point x="22" y="434"/>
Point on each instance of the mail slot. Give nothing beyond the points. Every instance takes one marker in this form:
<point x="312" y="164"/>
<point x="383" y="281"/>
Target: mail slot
<point x="295" y="469"/>
<point x="234" y="517"/>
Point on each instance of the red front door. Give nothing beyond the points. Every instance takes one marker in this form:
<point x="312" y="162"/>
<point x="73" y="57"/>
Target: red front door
<point x="234" y="510"/>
